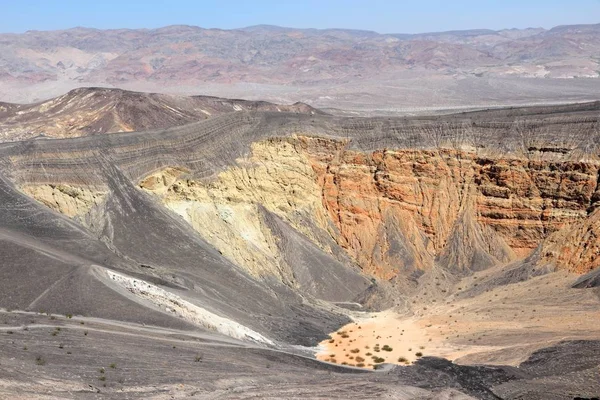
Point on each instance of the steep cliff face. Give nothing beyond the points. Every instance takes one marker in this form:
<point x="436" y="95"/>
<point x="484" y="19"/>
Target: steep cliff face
<point x="394" y="209"/>
<point x="226" y="211"/>
<point x="246" y="214"/>
<point x="576" y="247"/>
<point x="525" y="201"/>
<point x="400" y="210"/>
<point x="394" y="212"/>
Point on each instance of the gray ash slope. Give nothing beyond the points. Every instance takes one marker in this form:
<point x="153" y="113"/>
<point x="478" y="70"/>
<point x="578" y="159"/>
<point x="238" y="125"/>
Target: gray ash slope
<point x="140" y="363"/>
<point x="50" y="262"/>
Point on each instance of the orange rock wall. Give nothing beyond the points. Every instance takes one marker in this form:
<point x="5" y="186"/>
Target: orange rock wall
<point x="395" y="210"/>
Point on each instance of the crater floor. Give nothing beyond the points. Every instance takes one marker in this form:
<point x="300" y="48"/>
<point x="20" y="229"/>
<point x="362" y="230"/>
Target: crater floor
<point x="477" y="324"/>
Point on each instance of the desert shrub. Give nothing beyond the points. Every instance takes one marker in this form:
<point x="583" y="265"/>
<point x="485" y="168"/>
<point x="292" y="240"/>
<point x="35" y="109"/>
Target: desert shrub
<point x="419" y="354"/>
<point x="355" y="351"/>
<point x="113" y="366"/>
<point x="359" y="359"/>
<point x="39" y="360"/>
<point x="378" y="360"/>
<point x="198" y="358"/>
<point x="402" y="359"/>
<point x="386" y="348"/>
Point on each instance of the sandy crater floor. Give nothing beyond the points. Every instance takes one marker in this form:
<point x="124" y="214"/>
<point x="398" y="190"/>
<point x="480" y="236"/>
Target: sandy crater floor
<point x="501" y="325"/>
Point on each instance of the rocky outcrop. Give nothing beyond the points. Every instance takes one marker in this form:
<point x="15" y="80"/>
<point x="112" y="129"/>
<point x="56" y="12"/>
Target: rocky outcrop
<point x="231" y="213"/>
<point x="74" y="202"/>
<point x="399" y="209"/>
<point x="576" y="247"/>
<point x="394" y="212"/>
<point x="226" y="211"/>
<point x="526" y="201"/>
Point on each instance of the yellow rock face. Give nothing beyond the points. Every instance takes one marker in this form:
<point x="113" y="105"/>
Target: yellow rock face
<point x="71" y="201"/>
<point x="277" y="176"/>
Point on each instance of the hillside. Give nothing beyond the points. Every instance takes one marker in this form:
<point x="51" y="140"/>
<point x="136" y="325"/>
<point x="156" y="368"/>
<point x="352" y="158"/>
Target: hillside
<point x="90" y="111"/>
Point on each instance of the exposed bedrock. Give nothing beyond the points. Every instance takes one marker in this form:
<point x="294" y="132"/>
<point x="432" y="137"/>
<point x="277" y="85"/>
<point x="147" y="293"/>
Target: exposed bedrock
<point x="394" y="212"/>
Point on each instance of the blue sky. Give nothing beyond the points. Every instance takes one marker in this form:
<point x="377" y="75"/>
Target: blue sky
<point x="386" y="16"/>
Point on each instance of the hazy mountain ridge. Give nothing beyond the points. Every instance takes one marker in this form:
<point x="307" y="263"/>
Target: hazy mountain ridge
<point x="276" y="55"/>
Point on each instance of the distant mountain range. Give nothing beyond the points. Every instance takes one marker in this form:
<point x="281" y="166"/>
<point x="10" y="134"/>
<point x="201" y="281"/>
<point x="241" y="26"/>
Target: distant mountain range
<point x="188" y="56"/>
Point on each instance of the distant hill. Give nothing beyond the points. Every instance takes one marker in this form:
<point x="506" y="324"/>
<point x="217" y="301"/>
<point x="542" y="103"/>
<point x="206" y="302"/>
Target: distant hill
<point x="89" y="111"/>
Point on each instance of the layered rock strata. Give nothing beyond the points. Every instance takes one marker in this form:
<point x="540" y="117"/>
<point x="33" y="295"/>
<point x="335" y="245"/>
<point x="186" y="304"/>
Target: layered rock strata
<point x="394" y="212"/>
